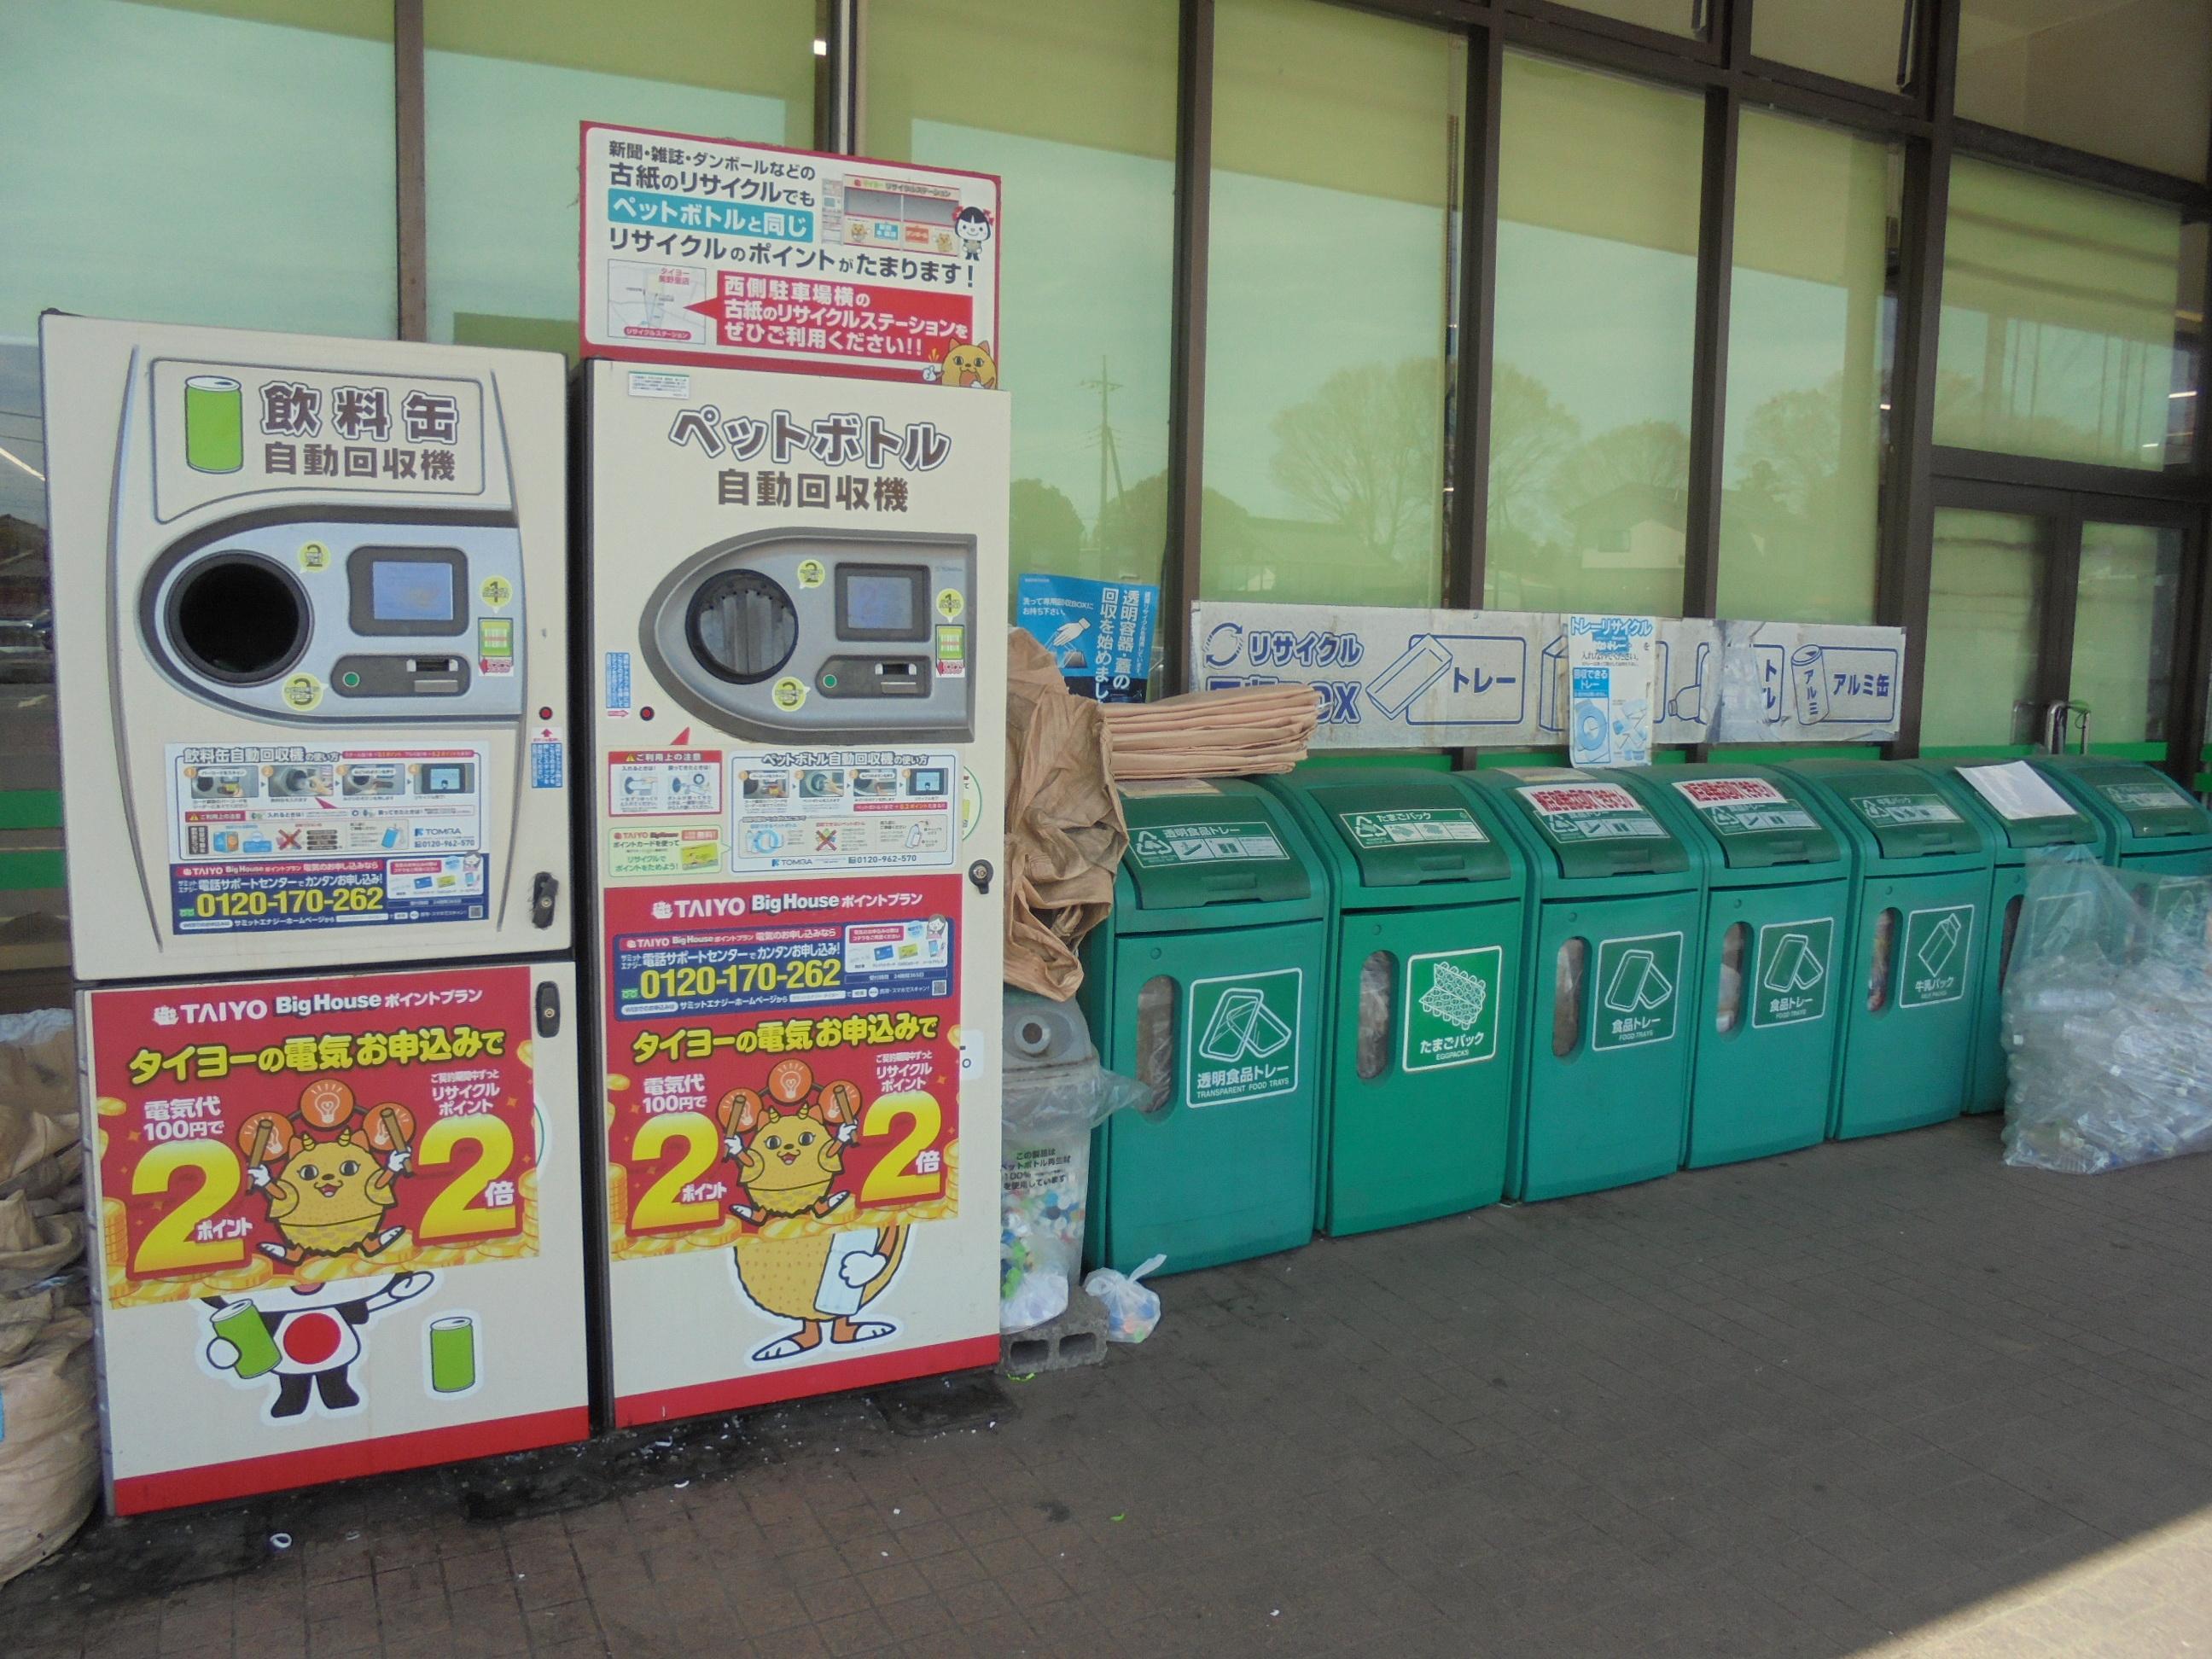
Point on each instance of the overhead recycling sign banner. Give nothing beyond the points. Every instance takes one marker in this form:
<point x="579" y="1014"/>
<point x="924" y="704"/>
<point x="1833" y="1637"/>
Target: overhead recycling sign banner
<point x="1401" y="678"/>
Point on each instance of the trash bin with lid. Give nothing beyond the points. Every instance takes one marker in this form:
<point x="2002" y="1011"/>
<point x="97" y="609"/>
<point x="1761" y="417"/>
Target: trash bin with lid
<point x="1601" y="1088"/>
<point x="1920" y="895"/>
<point x="1205" y="983"/>
<point x="2150" y="822"/>
<point x="2022" y="814"/>
<point x="1421" y="1004"/>
<point x="1768" y="1011"/>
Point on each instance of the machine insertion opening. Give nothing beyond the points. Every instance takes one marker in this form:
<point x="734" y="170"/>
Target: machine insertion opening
<point x="742" y="626"/>
<point x="238" y="618"/>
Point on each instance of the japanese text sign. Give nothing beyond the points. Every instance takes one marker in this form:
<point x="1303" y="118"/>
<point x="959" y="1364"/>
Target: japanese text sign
<point x="710" y="251"/>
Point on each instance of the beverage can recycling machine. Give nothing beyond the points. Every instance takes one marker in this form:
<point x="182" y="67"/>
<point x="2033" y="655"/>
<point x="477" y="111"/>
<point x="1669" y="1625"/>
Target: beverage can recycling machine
<point x="796" y="640"/>
<point x="311" y="630"/>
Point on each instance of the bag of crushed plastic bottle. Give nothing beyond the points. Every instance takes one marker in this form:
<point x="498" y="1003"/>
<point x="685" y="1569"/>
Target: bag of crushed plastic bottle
<point x="2108" y="1017"/>
<point x="1055" y="1093"/>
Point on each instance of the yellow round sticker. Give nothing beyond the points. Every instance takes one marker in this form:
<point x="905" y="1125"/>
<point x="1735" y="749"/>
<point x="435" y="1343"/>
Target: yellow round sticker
<point x="302" y="692"/>
<point x="950" y="602"/>
<point x="313" y="556"/>
<point x="496" y="591"/>
<point x="812" y="573"/>
<point x="789" y="693"/>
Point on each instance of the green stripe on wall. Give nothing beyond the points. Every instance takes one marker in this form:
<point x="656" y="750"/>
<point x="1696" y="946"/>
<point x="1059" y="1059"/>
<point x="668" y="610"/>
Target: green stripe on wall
<point x="30" y="808"/>
<point x="39" y="868"/>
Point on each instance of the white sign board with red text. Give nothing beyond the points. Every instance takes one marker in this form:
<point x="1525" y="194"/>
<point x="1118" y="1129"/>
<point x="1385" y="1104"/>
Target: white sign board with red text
<point x="708" y="251"/>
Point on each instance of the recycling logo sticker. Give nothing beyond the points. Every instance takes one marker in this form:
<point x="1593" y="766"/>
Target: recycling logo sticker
<point x="1638" y="988"/>
<point x="1240" y="1037"/>
<point x="1451" y="1000"/>
<point x="1795" y="968"/>
<point x="1938" y="943"/>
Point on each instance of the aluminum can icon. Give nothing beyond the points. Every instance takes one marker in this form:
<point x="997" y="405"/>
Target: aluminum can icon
<point x="214" y="424"/>
<point x="453" y="1353"/>
<point x="1810" y="664"/>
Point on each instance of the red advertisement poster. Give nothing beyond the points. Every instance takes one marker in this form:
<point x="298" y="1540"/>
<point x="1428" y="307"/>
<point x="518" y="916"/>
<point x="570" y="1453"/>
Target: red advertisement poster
<point x="309" y="1129"/>
<point x="782" y="1059"/>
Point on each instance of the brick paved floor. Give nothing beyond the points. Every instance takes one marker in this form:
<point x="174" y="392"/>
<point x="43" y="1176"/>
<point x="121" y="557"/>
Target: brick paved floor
<point x="1888" y="1395"/>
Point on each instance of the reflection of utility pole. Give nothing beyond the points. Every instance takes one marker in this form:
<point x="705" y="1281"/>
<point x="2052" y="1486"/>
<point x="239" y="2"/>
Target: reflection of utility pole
<point x="1109" y="455"/>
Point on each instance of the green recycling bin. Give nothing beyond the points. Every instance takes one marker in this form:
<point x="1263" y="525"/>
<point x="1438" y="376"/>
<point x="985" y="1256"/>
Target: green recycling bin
<point x="1920" y="896"/>
<point x="2150" y="822"/>
<point x="1601" y="1088"/>
<point x="1207" y="979"/>
<point x="1769" y="1007"/>
<point x="1419" y="1004"/>
<point x="2021" y="812"/>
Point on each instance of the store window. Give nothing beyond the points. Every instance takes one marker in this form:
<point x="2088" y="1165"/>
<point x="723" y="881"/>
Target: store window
<point x="228" y="161"/>
<point x="1986" y="592"/>
<point x="2061" y="307"/>
<point x="2131" y="80"/>
<point x="1684" y="17"/>
<point x="504" y="88"/>
<point x="2125" y="606"/>
<point x="1334" y="138"/>
<point x="1597" y="279"/>
<point x="1809" y="330"/>
<point x="1073" y="108"/>
<point x="1867" y="42"/>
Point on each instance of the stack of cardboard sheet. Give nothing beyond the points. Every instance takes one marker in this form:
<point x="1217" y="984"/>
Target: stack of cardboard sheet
<point x="1212" y="734"/>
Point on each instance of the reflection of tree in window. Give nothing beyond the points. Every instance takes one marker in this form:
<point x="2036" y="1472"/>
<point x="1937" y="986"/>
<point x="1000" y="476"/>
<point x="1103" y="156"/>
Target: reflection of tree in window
<point x="1361" y="453"/>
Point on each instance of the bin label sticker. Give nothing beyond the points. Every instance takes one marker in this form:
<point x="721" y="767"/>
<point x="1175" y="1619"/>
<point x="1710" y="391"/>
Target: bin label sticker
<point x="1452" y="999"/>
<point x="1213" y="841"/>
<point x="1744" y="806"/>
<point x="644" y="783"/>
<point x="1589" y="812"/>
<point x="1793" y="972"/>
<point x="1411" y="827"/>
<point x="1240" y="1037"/>
<point x="1638" y="985"/>
<point x="831" y="810"/>
<point x="267" y="836"/>
<point x="2156" y="797"/>
<point x="1892" y="810"/>
<point x="1938" y="943"/>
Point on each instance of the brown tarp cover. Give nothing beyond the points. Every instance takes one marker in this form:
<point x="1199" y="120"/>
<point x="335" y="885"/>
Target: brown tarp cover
<point x="1065" y="832"/>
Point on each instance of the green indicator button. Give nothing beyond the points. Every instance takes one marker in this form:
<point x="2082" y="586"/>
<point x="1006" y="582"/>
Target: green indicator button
<point x="829" y="682"/>
<point x="349" y="680"/>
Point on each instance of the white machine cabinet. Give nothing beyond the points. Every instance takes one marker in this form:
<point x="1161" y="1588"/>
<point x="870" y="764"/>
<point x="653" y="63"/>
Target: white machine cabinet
<point x="311" y="638"/>
<point x="796" y="650"/>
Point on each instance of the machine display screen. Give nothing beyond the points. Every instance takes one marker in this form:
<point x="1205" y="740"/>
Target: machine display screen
<point x="882" y="602"/>
<point x="408" y="590"/>
<point x="411" y="592"/>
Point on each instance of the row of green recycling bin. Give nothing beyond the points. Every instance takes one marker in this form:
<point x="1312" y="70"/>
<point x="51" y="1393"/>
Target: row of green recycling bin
<point x="1377" y="996"/>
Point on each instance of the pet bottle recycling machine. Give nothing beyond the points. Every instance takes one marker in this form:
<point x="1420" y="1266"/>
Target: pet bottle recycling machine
<point x="311" y="658"/>
<point x="794" y="652"/>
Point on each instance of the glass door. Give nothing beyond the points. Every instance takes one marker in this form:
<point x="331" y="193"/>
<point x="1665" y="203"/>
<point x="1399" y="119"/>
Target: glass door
<point x="2051" y="623"/>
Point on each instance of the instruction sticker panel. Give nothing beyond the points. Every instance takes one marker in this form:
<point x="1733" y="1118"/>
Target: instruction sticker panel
<point x="843" y="809"/>
<point x="664" y="782"/>
<point x="289" y="836"/>
<point x="1745" y="807"/>
<point x="1903" y="809"/>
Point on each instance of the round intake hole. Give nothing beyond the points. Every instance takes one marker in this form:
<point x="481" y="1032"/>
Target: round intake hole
<point x="742" y="626"/>
<point x="238" y="618"/>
